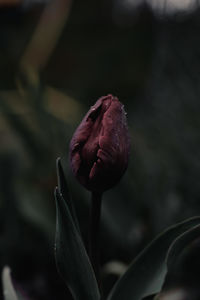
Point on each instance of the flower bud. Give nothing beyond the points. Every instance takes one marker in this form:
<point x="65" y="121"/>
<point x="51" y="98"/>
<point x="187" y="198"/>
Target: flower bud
<point x="100" y="146"/>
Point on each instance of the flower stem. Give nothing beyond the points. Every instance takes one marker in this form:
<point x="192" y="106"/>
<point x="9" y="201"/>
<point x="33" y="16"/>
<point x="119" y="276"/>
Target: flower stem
<point x="94" y="233"/>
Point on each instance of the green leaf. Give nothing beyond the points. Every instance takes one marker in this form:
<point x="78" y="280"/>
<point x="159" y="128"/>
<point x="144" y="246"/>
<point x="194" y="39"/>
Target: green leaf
<point x="180" y="244"/>
<point x="146" y="274"/>
<point x="8" y="289"/>
<point x="63" y="190"/>
<point x="71" y="258"/>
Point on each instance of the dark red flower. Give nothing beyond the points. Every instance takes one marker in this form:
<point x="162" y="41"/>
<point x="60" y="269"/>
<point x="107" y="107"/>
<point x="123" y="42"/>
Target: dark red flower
<point x="99" y="149"/>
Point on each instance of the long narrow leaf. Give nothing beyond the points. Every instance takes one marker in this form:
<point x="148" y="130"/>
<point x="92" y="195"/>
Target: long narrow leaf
<point x="72" y="261"/>
<point x="146" y="274"/>
<point x="63" y="190"/>
<point x="180" y="243"/>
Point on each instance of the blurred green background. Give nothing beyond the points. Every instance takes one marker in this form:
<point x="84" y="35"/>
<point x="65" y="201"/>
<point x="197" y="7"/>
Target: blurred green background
<point x="56" y="59"/>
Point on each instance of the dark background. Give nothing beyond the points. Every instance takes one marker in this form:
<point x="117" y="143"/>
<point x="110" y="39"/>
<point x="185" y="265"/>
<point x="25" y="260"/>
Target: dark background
<point x="149" y="57"/>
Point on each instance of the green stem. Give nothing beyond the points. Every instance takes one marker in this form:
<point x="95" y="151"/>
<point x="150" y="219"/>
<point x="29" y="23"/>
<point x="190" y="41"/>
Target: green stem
<point x="94" y="233"/>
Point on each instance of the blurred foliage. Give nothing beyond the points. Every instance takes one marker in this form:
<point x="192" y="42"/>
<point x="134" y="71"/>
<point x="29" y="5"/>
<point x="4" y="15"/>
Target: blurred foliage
<point x="151" y="62"/>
